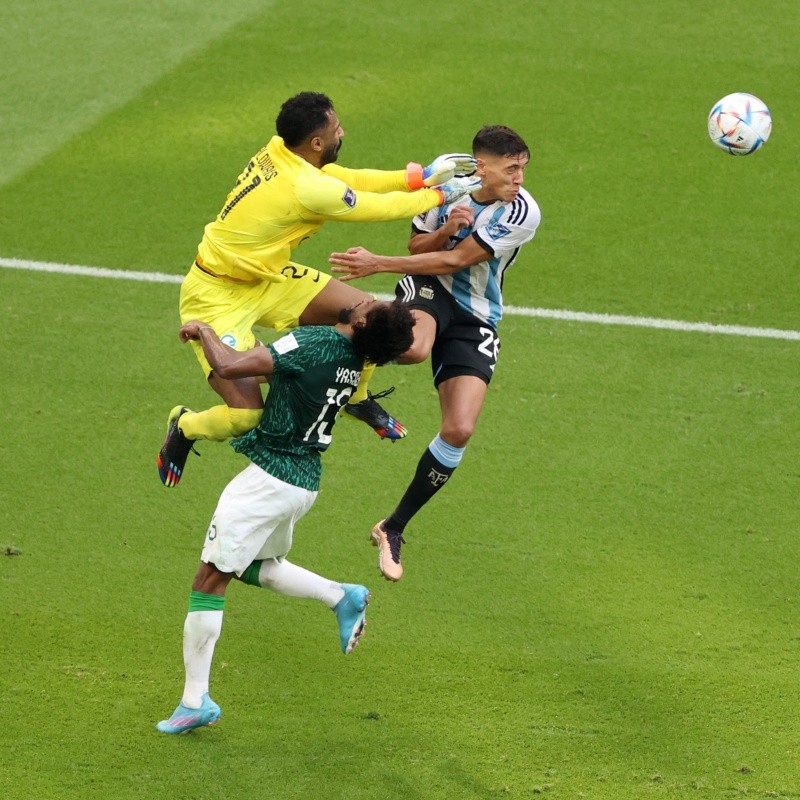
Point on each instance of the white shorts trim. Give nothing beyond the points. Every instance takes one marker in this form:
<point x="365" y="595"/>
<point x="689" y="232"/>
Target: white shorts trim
<point x="254" y="519"/>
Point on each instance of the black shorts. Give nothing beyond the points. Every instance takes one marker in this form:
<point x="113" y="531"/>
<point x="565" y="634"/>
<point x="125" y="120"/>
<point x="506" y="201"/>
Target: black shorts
<point x="465" y="344"/>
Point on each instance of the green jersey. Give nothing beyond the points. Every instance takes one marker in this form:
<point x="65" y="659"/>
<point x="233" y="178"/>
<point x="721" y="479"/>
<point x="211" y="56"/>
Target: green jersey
<point x="316" y="371"/>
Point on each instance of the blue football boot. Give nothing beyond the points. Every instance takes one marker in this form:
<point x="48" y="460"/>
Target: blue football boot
<point x="186" y="719"/>
<point x="351" y="614"/>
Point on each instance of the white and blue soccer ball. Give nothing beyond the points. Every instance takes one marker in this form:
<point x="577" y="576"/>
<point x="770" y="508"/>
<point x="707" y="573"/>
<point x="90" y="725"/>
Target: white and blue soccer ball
<point x="739" y="124"/>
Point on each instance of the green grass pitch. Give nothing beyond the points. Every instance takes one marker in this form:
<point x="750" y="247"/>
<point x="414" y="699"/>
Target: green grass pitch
<point x="604" y="602"/>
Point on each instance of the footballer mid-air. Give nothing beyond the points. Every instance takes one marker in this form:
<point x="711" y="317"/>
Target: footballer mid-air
<point x="453" y="282"/>
<point x="313" y="372"/>
<point x="243" y="275"/>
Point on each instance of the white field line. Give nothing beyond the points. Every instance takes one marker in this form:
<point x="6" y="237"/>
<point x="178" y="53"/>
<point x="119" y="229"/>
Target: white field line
<point x="652" y="322"/>
<point x="521" y="311"/>
<point x="92" y="272"/>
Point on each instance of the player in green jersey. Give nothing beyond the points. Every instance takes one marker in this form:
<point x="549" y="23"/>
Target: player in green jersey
<point x="312" y="371"/>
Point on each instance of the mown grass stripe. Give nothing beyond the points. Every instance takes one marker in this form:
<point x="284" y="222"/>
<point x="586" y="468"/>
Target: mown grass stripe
<point x="520" y="311"/>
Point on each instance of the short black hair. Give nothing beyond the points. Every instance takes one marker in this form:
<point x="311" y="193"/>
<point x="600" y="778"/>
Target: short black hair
<point x="301" y="115"/>
<point x="499" y="140"/>
<point x="386" y="333"/>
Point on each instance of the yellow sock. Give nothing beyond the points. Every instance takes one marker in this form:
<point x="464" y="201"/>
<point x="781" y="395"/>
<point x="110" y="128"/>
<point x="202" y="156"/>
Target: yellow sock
<point x="361" y="390"/>
<point x="219" y="422"/>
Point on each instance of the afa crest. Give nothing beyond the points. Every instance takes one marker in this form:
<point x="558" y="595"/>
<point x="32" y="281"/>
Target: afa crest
<point x="497" y="230"/>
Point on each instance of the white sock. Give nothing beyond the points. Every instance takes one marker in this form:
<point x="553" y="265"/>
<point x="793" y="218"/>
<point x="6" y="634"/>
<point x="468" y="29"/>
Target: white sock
<point x="200" y="633"/>
<point x="288" y="579"/>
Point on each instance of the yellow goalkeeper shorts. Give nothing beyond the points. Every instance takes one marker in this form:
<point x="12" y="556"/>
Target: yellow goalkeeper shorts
<point x="234" y="309"/>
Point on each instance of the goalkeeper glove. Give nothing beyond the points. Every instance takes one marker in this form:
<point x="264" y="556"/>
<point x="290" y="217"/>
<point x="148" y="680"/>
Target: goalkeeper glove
<point x="440" y="170"/>
<point x="456" y="188"/>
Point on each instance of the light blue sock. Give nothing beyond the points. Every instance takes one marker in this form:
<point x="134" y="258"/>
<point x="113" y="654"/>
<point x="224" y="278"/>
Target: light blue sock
<point x="447" y="454"/>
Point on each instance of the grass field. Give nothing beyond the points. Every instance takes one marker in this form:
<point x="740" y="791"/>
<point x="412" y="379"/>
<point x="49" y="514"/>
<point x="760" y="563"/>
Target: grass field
<point x="604" y="601"/>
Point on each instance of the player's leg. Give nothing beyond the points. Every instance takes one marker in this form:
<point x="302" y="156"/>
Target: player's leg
<point x="258" y="514"/>
<point x="254" y="516"/>
<point x="248" y="511"/>
<point x="464" y="358"/>
<point x="202" y="628"/>
<point x="432" y="307"/>
<point x="347" y="601"/>
<point x="229" y="309"/>
<point x="325" y="305"/>
<point x="241" y="412"/>
<point x="244" y="404"/>
<point x="461" y="400"/>
<point x="201" y="631"/>
<point x="424" y="338"/>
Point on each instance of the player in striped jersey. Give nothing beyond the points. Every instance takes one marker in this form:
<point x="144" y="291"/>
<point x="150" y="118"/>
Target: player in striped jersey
<point x="453" y="284"/>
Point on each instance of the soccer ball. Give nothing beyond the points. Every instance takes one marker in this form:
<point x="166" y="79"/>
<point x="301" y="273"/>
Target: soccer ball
<point x="739" y="123"/>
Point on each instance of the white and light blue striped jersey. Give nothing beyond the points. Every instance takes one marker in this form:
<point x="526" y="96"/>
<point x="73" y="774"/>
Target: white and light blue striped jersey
<point x="502" y="229"/>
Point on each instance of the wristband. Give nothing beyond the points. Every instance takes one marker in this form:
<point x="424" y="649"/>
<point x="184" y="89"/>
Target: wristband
<point x="414" y="176"/>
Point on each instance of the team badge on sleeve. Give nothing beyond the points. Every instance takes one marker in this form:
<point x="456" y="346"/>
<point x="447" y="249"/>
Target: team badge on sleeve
<point x="349" y="198"/>
<point x="497" y="231"/>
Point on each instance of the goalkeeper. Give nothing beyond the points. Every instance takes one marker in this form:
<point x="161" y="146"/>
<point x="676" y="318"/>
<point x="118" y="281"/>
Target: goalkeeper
<point x="243" y="275"/>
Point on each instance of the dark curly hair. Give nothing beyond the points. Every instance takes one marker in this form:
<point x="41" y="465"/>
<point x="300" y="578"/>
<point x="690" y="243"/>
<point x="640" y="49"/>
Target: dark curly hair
<point x="499" y="140"/>
<point x="386" y="333"/>
<point x="301" y="115"/>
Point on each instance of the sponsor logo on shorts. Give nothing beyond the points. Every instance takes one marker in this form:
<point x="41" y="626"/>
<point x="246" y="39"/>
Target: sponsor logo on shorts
<point x="426" y="293"/>
<point x="349" y="198"/>
<point x="497" y="231"/>
<point x="228" y="339"/>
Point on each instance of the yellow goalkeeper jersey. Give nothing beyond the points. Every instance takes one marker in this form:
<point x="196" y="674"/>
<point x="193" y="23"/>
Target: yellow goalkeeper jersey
<point x="280" y="200"/>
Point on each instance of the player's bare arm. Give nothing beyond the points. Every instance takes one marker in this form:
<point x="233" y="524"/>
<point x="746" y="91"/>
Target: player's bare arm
<point x="359" y="262"/>
<point x="226" y="362"/>
<point x="428" y="242"/>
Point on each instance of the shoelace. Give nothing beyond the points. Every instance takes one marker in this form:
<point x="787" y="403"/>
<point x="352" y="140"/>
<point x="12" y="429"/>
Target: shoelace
<point x="395" y="540"/>
<point x="379" y="395"/>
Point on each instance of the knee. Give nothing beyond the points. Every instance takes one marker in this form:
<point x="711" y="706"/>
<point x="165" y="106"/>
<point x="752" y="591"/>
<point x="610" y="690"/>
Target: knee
<point x="457" y="434"/>
<point x="211" y="580"/>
